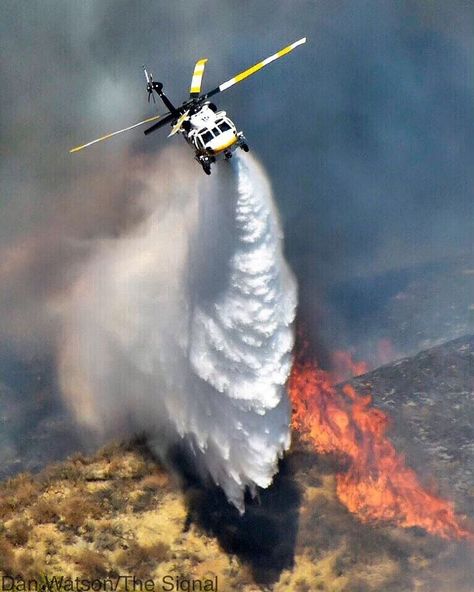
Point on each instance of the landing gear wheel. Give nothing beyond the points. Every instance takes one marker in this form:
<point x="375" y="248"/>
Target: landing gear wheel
<point x="205" y="161"/>
<point x="245" y="147"/>
<point x="228" y="155"/>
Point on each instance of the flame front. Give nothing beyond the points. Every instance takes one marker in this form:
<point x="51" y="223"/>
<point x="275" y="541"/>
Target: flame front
<point x="344" y="366"/>
<point x="377" y="485"/>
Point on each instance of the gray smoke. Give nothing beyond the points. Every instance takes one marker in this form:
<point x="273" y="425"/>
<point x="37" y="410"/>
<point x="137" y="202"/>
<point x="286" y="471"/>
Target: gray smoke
<point x="370" y="125"/>
<point x="182" y="328"/>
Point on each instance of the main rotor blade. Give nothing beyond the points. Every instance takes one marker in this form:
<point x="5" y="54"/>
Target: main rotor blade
<point x="107" y="136"/>
<point x="253" y="69"/>
<point x="196" y="81"/>
<point x="179" y="123"/>
<point x="160" y="123"/>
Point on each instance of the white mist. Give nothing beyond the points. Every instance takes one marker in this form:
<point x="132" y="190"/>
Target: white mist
<point x="183" y="328"/>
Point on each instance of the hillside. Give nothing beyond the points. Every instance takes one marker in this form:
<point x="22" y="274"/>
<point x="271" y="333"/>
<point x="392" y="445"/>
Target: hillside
<point x="120" y="512"/>
<point x="430" y="399"/>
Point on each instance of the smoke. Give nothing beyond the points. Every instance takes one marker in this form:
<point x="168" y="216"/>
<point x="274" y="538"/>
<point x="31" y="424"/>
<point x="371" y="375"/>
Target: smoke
<point x="182" y="328"/>
<point x="374" y="118"/>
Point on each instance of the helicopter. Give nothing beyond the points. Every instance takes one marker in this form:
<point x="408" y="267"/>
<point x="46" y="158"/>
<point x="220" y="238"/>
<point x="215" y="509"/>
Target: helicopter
<point x="211" y="133"/>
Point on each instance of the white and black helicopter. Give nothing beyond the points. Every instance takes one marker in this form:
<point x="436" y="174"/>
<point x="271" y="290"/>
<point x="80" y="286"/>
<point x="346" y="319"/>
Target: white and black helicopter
<point x="209" y="131"/>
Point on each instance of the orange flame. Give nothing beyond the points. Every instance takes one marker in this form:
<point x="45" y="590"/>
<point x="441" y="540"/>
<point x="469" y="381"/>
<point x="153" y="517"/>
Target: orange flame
<point x="377" y="485"/>
<point x="344" y="366"/>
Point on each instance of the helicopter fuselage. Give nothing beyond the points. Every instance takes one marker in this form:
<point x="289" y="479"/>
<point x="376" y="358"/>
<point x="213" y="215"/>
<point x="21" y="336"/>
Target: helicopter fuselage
<point x="212" y="135"/>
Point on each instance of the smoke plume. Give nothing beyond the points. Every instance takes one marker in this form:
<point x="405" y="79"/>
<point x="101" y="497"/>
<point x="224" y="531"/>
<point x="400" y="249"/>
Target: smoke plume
<point x="182" y="328"/>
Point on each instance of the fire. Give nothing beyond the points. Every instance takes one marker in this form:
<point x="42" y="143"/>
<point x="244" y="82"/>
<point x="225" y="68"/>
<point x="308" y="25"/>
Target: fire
<point x="377" y="484"/>
<point x="344" y="366"/>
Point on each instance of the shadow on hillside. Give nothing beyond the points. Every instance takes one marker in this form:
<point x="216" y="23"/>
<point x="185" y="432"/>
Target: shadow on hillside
<point x="264" y="537"/>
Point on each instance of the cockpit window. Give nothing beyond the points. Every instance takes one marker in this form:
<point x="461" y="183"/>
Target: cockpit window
<point x="206" y="137"/>
<point x="215" y="131"/>
<point x="224" y="126"/>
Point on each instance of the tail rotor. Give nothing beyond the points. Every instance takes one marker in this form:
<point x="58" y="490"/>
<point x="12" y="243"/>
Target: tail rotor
<point x="149" y="85"/>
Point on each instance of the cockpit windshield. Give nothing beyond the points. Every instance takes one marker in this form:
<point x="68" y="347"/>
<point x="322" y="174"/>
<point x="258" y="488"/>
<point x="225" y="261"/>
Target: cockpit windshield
<point x="206" y="137"/>
<point x="224" y="126"/>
